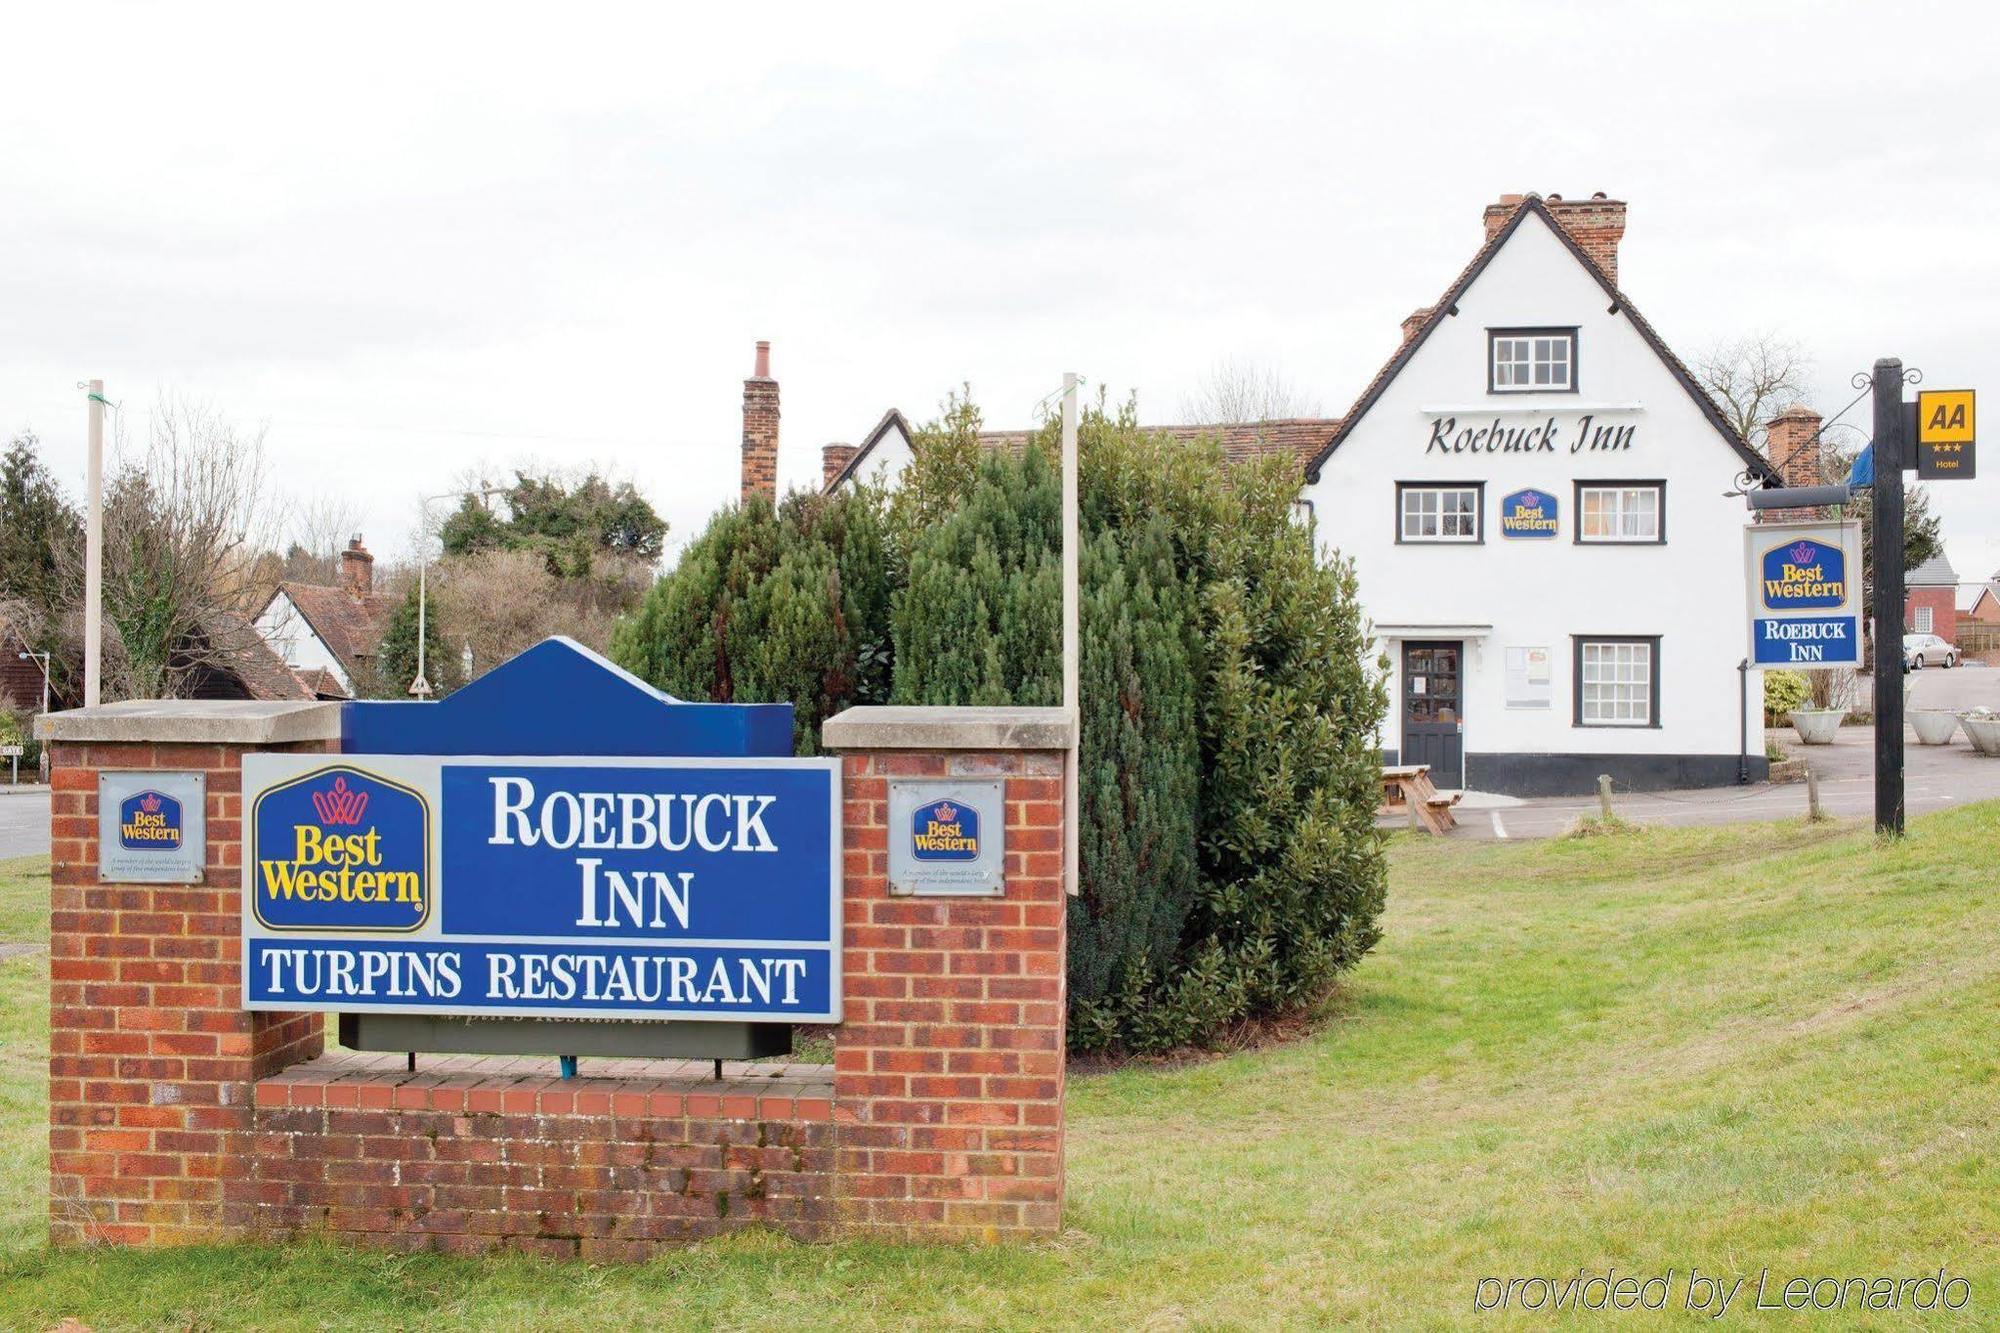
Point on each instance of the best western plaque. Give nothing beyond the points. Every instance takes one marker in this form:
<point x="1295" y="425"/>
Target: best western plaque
<point x="947" y="838"/>
<point x="150" y="828"/>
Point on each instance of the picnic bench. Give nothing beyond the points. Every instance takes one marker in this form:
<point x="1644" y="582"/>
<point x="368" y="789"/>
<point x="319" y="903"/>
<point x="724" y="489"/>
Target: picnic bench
<point x="1407" y="790"/>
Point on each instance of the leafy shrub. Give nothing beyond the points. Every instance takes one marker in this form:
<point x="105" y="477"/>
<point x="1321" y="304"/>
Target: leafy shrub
<point x="1230" y="867"/>
<point x="1783" y="691"/>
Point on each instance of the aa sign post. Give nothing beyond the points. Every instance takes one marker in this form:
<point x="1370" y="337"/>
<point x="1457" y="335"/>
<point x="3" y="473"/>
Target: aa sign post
<point x="1805" y="594"/>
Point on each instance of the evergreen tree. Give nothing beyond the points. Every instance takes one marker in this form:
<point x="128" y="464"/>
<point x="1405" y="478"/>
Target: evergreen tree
<point x="39" y="533"/>
<point x="395" y="665"/>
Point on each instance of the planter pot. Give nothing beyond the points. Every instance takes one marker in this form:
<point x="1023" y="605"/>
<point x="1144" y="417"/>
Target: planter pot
<point x="1984" y="733"/>
<point x="1817" y="726"/>
<point x="1934" y="726"/>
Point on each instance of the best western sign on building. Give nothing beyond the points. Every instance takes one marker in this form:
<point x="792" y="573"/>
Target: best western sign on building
<point x="539" y="887"/>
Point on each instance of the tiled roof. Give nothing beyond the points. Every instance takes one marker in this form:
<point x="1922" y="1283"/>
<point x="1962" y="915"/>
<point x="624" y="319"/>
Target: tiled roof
<point x="1933" y="573"/>
<point x="351" y="627"/>
<point x="1447" y="308"/>
<point x="239" y="664"/>
<point x="323" y="683"/>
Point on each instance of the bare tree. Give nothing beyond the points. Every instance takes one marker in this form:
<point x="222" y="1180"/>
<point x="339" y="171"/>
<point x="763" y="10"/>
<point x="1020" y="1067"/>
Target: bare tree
<point x="184" y="518"/>
<point x="319" y="527"/>
<point x="1238" y="392"/>
<point x="1752" y="379"/>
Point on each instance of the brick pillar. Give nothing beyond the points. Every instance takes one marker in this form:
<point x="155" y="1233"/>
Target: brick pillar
<point x="1792" y="444"/>
<point x="948" y="1067"/>
<point x="760" y="430"/>
<point x="151" y="1057"/>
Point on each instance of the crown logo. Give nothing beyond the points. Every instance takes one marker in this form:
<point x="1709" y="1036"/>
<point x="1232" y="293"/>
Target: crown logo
<point x="945" y="810"/>
<point x="340" y="805"/>
<point x="150" y="803"/>
<point x="1803" y="552"/>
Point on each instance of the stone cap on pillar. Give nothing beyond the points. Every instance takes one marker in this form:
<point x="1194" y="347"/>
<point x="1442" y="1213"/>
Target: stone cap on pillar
<point x="905" y="728"/>
<point x="194" y="722"/>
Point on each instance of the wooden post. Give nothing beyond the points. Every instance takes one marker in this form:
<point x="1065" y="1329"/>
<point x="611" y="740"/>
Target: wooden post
<point x="1604" y="796"/>
<point x="1813" y="811"/>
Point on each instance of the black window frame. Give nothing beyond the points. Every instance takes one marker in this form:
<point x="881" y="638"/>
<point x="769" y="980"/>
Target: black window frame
<point x="1570" y="331"/>
<point x="1577" y="642"/>
<point x="1478" y="489"/>
<point x="1580" y="484"/>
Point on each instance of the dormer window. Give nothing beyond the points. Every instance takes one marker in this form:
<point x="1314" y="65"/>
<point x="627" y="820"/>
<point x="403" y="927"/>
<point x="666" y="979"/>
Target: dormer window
<point x="1531" y="360"/>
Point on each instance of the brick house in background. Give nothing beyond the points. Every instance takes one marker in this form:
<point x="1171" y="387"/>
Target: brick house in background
<point x="1980" y="601"/>
<point x="328" y="636"/>
<point x="1930" y="600"/>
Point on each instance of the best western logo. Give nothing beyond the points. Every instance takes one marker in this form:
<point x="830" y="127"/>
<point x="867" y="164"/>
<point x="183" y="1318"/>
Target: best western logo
<point x="1528" y="513"/>
<point x="944" y="831"/>
<point x="341" y="849"/>
<point x="1804" y="575"/>
<point x="149" y="821"/>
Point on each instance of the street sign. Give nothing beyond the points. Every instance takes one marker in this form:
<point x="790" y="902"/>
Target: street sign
<point x="1805" y="594"/>
<point x="1946" y="434"/>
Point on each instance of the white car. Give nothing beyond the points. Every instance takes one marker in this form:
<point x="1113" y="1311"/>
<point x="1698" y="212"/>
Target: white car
<point x="1922" y="650"/>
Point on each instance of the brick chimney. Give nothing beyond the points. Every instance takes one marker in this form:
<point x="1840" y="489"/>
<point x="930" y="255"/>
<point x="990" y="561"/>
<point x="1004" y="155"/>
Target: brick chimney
<point x="357" y="568"/>
<point x="760" y="429"/>
<point x="833" y="459"/>
<point x="1596" y="224"/>
<point x="1792" y="444"/>
<point x="1414" y="321"/>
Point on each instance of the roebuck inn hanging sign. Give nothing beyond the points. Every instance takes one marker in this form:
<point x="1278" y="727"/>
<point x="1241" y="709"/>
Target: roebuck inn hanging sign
<point x="543" y="887"/>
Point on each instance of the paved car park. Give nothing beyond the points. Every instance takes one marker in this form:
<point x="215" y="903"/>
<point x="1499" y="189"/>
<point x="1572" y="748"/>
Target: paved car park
<point x="1934" y="777"/>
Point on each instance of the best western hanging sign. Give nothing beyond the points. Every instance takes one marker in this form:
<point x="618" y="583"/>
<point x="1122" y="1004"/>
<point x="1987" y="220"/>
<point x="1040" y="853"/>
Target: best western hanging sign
<point x="1805" y="594"/>
<point x="562" y="888"/>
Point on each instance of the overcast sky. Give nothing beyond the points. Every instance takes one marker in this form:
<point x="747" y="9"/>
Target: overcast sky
<point x="414" y="244"/>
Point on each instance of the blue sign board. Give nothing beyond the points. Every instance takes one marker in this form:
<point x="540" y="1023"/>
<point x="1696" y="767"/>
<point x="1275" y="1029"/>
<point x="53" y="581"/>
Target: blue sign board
<point x="1805" y="640"/>
<point x="944" y="831"/>
<point x="1528" y="513"/>
<point x="151" y="827"/>
<point x="536" y="884"/>
<point x="150" y="820"/>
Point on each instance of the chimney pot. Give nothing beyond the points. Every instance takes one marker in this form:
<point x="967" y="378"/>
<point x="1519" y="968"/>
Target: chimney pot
<point x="763" y="371"/>
<point x="357" y="568"/>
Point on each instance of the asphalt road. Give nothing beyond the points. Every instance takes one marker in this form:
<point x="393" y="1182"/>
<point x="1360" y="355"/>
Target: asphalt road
<point x="1934" y="777"/>
<point x="24" y="822"/>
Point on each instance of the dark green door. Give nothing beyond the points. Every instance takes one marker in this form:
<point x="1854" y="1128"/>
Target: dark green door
<point x="1434" y="710"/>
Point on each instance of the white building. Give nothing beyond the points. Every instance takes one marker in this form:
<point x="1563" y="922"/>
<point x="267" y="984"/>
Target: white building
<point x="328" y="634"/>
<point x="1533" y="493"/>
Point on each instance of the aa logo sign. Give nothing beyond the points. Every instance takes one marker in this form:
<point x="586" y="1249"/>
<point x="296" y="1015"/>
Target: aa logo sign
<point x="341" y="849"/>
<point x="1945" y="416"/>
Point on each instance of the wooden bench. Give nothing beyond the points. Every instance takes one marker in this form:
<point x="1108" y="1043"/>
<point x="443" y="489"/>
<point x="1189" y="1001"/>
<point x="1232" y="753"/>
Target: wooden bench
<point x="1407" y="789"/>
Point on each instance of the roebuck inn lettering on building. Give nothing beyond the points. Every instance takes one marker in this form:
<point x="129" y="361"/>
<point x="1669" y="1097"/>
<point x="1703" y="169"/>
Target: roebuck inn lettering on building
<point x="1533" y="412"/>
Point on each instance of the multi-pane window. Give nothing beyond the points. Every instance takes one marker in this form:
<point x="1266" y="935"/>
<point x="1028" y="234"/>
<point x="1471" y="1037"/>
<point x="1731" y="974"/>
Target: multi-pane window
<point x="1617" y="682"/>
<point x="1534" y="361"/>
<point x="1924" y="620"/>
<point x="1619" y="512"/>
<point x="1438" y="513"/>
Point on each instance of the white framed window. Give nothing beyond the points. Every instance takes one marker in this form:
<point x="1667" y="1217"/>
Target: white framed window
<point x="1621" y="511"/>
<point x="1924" y="620"/>
<point x="1438" y="511"/>
<point x="1531" y="361"/>
<point x="1618" y="681"/>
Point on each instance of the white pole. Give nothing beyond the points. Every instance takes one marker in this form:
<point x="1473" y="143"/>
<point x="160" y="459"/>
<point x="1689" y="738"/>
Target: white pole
<point x="93" y="557"/>
<point x="1072" y="637"/>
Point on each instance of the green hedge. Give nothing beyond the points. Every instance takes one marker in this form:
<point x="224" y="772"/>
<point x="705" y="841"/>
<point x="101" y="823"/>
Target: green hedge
<point x="1229" y="862"/>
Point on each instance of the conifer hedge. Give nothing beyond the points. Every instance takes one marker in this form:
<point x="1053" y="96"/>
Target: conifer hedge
<point x="1229" y="862"/>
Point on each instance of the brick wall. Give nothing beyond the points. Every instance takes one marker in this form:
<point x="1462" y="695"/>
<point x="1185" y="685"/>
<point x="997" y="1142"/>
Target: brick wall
<point x="1943" y="604"/>
<point x="948" y="1072"/>
<point x="175" y="1116"/>
<point x="473" y="1154"/>
<point x="151" y="1056"/>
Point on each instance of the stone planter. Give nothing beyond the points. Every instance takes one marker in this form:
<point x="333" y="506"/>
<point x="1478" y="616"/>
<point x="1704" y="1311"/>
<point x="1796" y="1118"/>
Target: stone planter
<point x="1816" y="726"/>
<point x="1984" y="733"/>
<point x="1934" y="726"/>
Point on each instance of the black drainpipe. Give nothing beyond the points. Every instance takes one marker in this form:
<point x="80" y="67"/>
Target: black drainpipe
<point x="1743" y="721"/>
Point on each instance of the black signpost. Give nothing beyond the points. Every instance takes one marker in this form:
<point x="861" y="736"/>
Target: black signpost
<point x="1887" y="497"/>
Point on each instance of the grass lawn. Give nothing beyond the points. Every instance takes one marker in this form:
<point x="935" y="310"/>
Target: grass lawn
<point x="1731" y="1049"/>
